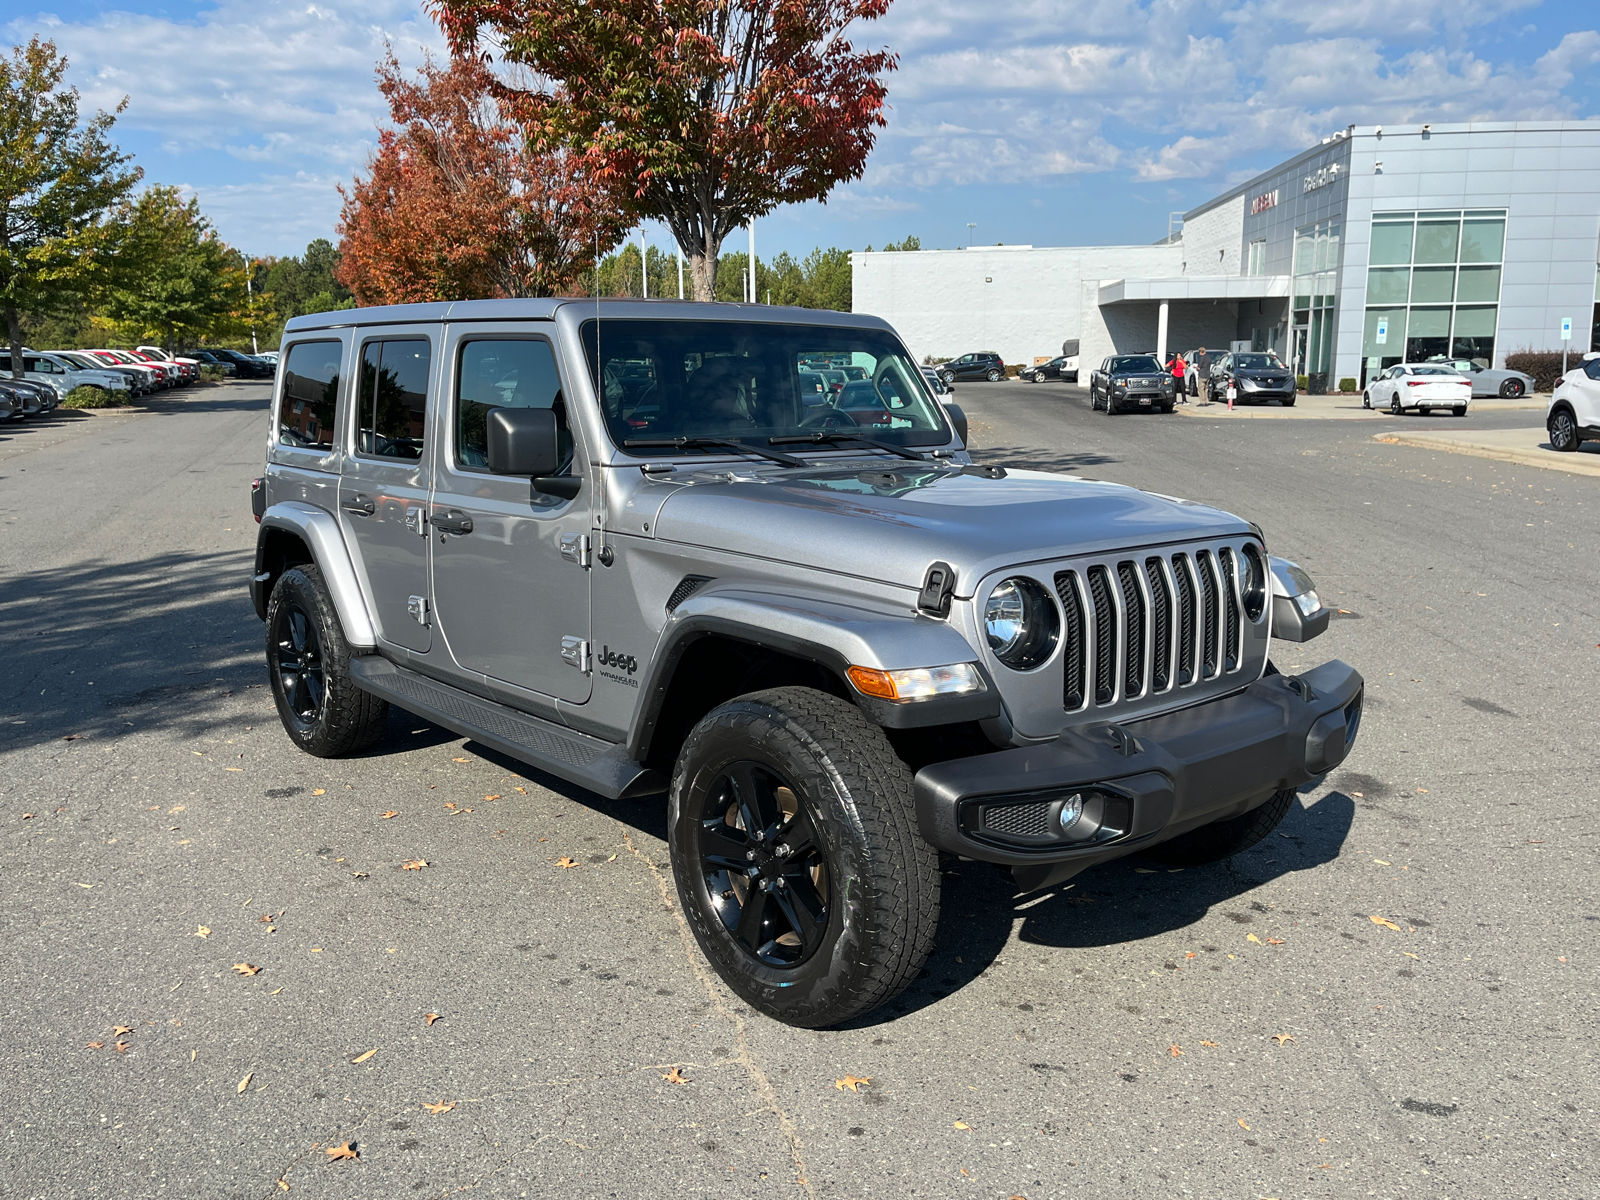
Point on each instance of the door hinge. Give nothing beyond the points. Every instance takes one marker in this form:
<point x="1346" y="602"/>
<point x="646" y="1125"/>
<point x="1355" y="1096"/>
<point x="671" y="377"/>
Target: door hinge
<point x="417" y="520"/>
<point x="575" y="653"/>
<point x="417" y="606"/>
<point x="575" y="548"/>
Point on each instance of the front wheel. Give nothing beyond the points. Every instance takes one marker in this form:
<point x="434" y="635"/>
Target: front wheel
<point x="308" y="663"/>
<point x="1224" y="839"/>
<point x="1366" y="400"/>
<point x="794" y="844"/>
<point x="1287" y="402"/>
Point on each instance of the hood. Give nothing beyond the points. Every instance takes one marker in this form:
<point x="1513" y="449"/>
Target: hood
<point x="888" y="523"/>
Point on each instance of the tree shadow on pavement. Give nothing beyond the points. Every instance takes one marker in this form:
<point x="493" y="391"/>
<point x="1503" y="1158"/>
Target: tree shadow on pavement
<point x="1112" y="904"/>
<point x="1035" y="458"/>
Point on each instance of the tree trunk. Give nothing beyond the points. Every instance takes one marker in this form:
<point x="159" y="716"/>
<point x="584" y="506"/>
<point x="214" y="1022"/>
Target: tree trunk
<point x="14" y="330"/>
<point x="702" y="275"/>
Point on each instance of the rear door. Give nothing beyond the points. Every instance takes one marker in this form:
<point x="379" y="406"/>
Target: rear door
<point x="383" y="488"/>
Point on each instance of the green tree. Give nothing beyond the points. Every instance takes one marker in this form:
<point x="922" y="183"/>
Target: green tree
<point x="58" y="179"/>
<point x="174" y="279"/>
<point x="307" y="284"/>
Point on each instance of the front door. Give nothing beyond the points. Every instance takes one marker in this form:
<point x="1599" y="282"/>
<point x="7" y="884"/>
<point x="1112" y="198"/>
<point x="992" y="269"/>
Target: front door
<point x="510" y="565"/>
<point x="383" y="489"/>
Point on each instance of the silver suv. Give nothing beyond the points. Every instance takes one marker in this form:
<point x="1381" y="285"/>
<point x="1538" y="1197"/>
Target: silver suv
<point x="622" y="542"/>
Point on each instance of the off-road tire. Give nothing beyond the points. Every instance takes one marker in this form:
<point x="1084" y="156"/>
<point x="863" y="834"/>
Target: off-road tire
<point x="348" y="719"/>
<point x="1224" y="839"/>
<point x="883" y="908"/>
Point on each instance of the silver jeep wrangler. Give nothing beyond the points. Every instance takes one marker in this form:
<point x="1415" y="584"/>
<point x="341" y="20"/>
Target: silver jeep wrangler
<point x="634" y="545"/>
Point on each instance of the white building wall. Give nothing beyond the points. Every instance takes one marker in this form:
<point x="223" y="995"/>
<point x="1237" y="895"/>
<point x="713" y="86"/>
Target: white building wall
<point x="1212" y="241"/>
<point x="1017" y="301"/>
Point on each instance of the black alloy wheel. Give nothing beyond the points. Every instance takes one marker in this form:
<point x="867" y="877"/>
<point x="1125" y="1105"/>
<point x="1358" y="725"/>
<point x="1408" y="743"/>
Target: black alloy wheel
<point x="297" y="664"/>
<point x="1563" y="431"/>
<point x="1394" y="405"/>
<point x="762" y="866"/>
<point x="1511" y="389"/>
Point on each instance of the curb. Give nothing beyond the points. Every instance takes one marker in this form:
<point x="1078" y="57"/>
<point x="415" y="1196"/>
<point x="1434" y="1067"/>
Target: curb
<point x="1575" y="463"/>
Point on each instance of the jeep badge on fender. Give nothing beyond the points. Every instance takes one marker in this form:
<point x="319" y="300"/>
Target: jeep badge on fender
<point x="805" y="570"/>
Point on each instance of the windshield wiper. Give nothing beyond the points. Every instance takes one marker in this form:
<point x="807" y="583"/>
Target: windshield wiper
<point x="704" y="443"/>
<point x="824" y="438"/>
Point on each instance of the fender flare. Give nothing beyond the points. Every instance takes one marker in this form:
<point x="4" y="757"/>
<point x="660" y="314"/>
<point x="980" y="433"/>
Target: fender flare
<point x="322" y="536"/>
<point x="834" y="631"/>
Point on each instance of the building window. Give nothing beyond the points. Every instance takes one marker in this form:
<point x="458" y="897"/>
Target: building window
<point x="1258" y="257"/>
<point x="1316" y="264"/>
<point x="1433" y="287"/>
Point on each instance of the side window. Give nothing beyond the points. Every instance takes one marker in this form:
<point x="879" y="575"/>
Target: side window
<point x="503" y="373"/>
<point x="310" y="393"/>
<point x="393" y="399"/>
<point x="1592" y="368"/>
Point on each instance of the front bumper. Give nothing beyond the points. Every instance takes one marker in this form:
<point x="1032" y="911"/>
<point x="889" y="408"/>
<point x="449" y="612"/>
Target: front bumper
<point x="1145" y="781"/>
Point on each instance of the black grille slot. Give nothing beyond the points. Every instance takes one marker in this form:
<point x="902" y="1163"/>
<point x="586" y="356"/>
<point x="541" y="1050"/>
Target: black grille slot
<point x="687" y="586"/>
<point x="1205" y="564"/>
<point x="1133" y="606"/>
<point x="1186" y="628"/>
<point x="1160" y="626"/>
<point x="1018" y="820"/>
<point x="1230" y="611"/>
<point x="1105" y="636"/>
<point x="1073" y="637"/>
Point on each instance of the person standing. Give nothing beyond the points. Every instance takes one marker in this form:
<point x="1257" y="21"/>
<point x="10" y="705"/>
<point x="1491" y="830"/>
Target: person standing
<point x="1176" y="367"/>
<point x="1202" y="375"/>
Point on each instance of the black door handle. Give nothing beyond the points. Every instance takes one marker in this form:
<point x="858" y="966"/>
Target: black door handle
<point x="452" y="520"/>
<point x="360" y="504"/>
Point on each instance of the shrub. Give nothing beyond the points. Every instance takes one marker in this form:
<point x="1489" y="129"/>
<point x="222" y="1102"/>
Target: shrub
<point x="932" y="360"/>
<point x="84" y="396"/>
<point x="1011" y="370"/>
<point x="1543" y="365"/>
<point x="1301" y="382"/>
<point x="1347" y="384"/>
<point x="209" y="374"/>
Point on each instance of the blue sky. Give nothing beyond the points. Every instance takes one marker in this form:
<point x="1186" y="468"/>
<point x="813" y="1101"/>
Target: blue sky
<point x="1051" y="122"/>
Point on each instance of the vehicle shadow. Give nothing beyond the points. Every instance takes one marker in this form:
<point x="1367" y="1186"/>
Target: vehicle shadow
<point x="1125" y="901"/>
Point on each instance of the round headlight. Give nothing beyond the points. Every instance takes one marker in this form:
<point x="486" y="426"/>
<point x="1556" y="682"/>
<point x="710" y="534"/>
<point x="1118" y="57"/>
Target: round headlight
<point x="1021" y="624"/>
<point x="1253" y="582"/>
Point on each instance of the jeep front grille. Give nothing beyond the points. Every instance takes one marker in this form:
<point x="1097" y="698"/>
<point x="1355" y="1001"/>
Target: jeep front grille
<point x="1137" y="629"/>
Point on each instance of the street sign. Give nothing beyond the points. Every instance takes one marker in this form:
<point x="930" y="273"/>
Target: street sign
<point x="1566" y="329"/>
<point x="1383" y="331"/>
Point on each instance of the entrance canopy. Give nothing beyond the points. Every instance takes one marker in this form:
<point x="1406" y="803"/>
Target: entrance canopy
<point x="1195" y="287"/>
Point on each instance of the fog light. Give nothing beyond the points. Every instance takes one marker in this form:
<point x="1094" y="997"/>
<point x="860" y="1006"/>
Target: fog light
<point x="1071" y="810"/>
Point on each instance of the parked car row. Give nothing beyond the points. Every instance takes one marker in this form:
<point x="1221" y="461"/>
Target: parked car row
<point x="24" y="397"/>
<point x="139" y="372"/>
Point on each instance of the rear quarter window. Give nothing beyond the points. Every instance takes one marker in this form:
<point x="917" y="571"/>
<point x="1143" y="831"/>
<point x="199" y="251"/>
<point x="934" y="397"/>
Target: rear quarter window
<point x="310" y="395"/>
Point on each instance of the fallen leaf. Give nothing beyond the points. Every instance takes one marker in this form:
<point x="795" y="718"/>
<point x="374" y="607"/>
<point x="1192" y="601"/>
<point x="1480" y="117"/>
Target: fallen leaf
<point x="239" y="769"/>
<point x="524" y="791"/>
<point x="274" y="991"/>
<point x="203" y="932"/>
<point x="440" y="1107"/>
<point x="359" y="875"/>
<point x="95" y="1046"/>
<point x="177" y="808"/>
<point x="960" y="1125"/>
<point x="1275" y="941"/>
<point x="676" y="1076"/>
<point x="265" y="919"/>
<point x="245" y="1082"/>
<point x="430" y="1018"/>
<point x="854" y="1082"/>
<point x="1243" y="1126"/>
<point x="1190" y="954"/>
<point x="1213" y="1045"/>
<point x="1281" y="1038"/>
<point x="1423" y="790"/>
<point x="344" y="1150"/>
<point x="119" y="1030"/>
<point x="564" y="862"/>
<point x="1250" y="937"/>
<point x="1385" y="922"/>
<point x="246" y="969"/>
<point x="72" y="737"/>
<point x="1175" y="1050"/>
<point x="415" y="864"/>
<point x="613" y="858"/>
<point x="1324" y="1166"/>
<point x="193" y="1054"/>
<point x="1380" y="862"/>
<point x="1143" y="871"/>
<point x="496" y="796"/>
<point x="460" y="760"/>
<point x="387" y="815"/>
<point x="1408" y="954"/>
<point x="283" y="1185"/>
<point x="319" y="791"/>
<point x="361" y="1058"/>
<point x="27" y="816"/>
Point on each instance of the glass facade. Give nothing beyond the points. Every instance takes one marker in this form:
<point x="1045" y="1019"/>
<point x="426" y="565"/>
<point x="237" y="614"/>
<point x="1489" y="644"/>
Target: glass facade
<point x="1316" y="268"/>
<point x="1433" y="287"/>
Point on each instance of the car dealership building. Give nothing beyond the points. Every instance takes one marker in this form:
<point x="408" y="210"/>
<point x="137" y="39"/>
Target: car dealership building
<point x="1383" y="244"/>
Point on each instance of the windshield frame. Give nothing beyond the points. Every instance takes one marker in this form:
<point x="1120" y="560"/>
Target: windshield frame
<point x="815" y="333"/>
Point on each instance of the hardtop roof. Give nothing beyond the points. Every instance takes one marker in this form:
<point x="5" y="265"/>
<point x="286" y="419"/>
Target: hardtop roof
<point x="546" y="309"/>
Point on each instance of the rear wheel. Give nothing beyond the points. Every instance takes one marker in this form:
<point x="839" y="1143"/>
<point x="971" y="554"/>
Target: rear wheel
<point x="1224" y="839"/>
<point x="1366" y="400"/>
<point x="995" y="375"/>
<point x="1425" y="410"/>
<point x="793" y="836"/>
<point x="1460" y="410"/>
<point x="308" y="663"/>
<point x="1563" y="431"/>
<point x="1511" y="389"/>
<point x="1394" y="405"/>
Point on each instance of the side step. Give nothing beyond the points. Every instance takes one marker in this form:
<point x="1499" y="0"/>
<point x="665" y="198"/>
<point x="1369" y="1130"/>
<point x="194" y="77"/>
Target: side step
<point x="576" y="757"/>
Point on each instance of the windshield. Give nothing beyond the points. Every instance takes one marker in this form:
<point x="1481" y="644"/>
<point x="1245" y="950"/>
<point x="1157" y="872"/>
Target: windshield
<point x="1258" y="362"/>
<point x="750" y="381"/>
<point x="1134" y="362"/>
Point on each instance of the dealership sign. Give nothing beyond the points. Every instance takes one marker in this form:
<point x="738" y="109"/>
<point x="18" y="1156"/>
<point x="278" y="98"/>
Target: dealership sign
<point x="1263" y="202"/>
<point x="1321" y="179"/>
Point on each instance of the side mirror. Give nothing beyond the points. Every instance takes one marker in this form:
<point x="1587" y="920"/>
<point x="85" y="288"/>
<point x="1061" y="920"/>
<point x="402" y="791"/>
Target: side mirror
<point x="958" y="419"/>
<point x="523" y="441"/>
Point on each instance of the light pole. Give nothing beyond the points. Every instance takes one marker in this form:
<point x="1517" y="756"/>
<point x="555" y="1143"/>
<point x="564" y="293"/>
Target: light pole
<point x="971" y="225"/>
<point x="644" y="267"/>
<point x="752" y="260"/>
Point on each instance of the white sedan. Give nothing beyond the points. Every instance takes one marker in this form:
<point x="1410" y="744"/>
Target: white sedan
<point x="1422" y="386"/>
<point x="63" y="375"/>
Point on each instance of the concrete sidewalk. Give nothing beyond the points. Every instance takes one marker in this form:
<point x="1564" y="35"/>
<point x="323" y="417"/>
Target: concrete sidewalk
<point x="1341" y="407"/>
<point x="1527" y="446"/>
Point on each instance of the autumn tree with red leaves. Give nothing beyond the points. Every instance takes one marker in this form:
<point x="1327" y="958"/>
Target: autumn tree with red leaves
<point x="703" y="113"/>
<point x="457" y="206"/>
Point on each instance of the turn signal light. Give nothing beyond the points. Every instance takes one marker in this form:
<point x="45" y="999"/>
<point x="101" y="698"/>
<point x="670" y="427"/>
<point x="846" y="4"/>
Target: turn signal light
<point x="917" y="683"/>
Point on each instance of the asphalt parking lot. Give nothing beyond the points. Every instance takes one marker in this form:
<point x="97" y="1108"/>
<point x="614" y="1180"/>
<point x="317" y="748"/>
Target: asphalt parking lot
<point x="223" y="959"/>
